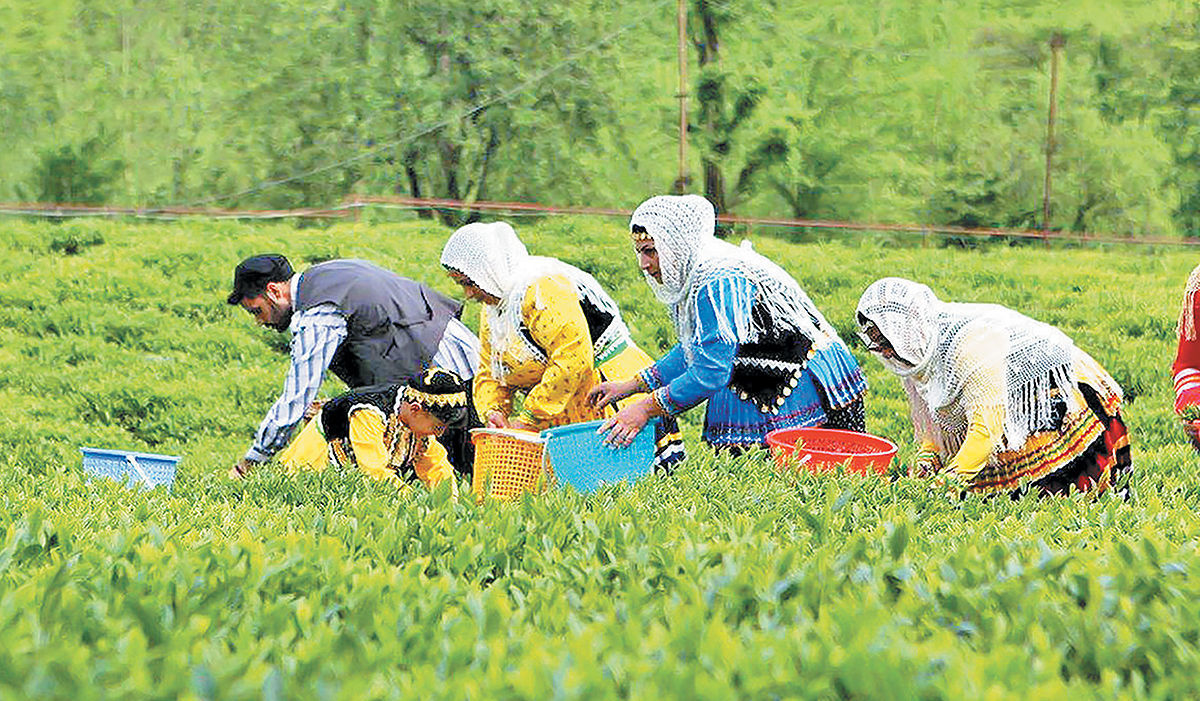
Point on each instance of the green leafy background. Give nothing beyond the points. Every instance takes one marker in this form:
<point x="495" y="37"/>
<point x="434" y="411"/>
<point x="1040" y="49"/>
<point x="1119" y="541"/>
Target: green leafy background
<point x="904" y="111"/>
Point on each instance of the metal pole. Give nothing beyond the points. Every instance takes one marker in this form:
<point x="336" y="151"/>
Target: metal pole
<point x="681" y="184"/>
<point x="1056" y="43"/>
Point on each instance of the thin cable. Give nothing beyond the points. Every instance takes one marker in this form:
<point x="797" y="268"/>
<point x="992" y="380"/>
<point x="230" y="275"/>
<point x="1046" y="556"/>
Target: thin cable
<point x="502" y="97"/>
<point x="531" y="209"/>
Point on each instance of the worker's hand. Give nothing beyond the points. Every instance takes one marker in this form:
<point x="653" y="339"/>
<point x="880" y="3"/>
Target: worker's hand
<point x="926" y="463"/>
<point x="313" y="408"/>
<point x="1192" y="430"/>
<point x="949" y="482"/>
<point x="241" y="468"/>
<point x="496" y="419"/>
<point x="607" y="393"/>
<point x="1187" y="403"/>
<point x="520" y="425"/>
<point x="624" y="426"/>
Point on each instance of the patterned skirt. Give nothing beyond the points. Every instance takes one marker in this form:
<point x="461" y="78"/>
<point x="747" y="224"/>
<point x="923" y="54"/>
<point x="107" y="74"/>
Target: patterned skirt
<point x="1090" y="453"/>
<point x="829" y="394"/>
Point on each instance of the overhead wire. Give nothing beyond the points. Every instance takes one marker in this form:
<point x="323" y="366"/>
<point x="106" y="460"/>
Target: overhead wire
<point x="503" y="97"/>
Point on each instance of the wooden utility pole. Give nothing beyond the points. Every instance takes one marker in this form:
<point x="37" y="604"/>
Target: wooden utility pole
<point x="1056" y="43"/>
<point x="681" y="185"/>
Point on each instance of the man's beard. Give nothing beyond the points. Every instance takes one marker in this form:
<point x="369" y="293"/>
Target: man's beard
<point x="284" y="320"/>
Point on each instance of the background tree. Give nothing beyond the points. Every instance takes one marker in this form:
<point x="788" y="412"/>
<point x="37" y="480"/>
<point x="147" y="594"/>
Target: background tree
<point x="881" y="111"/>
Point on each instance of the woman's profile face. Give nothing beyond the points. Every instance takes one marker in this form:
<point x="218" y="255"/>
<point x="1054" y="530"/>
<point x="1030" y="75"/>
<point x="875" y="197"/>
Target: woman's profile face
<point x="647" y="257"/>
<point x="877" y="343"/>
<point x="471" y="290"/>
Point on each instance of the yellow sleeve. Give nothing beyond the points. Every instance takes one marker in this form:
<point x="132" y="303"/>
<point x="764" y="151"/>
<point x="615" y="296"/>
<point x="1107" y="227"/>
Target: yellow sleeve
<point x="433" y="467"/>
<point x="308" y="450"/>
<point x="984" y="351"/>
<point x="487" y="391"/>
<point x="366" y="440"/>
<point x="555" y="321"/>
<point x="983" y="434"/>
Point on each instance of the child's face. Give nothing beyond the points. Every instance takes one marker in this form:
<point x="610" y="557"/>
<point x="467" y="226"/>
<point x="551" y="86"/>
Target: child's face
<point x="422" y="423"/>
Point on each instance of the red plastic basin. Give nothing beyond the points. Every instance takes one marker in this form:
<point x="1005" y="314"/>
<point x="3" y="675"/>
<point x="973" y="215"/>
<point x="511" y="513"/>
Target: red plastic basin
<point x="827" y="448"/>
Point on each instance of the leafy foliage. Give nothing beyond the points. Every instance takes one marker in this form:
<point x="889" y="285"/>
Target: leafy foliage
<point x="725" y="580"/>
<point x="925" y="112"/>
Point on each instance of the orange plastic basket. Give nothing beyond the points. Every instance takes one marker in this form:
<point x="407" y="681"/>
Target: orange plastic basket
<point x="826" y="448"/>
<point x="508" y="463"/>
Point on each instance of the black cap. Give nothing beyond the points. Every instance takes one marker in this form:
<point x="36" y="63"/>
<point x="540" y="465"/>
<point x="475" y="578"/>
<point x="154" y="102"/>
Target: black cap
<point x="251" y="276"/>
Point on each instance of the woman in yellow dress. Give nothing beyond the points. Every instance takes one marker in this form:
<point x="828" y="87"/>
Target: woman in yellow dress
<point x="388" y="431"/>
<point x="547" y="330"/>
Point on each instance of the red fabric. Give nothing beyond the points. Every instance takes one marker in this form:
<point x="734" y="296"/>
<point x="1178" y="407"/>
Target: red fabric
<point x="1187" y="357"/>
<point x="1188" y="353"/>
<point x="1107" y="461"/>
<point x="1185" y="397"/>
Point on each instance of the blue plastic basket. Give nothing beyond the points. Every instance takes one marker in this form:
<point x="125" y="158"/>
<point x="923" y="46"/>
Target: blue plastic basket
<point x="580" y="459"/>
<point x="129" y="467"/>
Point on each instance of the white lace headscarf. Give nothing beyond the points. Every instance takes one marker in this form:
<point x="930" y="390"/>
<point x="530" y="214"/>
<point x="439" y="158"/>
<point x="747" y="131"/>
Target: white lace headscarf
<point x="496" y="261"/>
<point x="690" y="256"/>
<point x="964" y="358"/>
<point x="1187" y="316"/>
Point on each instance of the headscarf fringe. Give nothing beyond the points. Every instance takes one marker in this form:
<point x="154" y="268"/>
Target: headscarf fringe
<point x="1186" y="328"/>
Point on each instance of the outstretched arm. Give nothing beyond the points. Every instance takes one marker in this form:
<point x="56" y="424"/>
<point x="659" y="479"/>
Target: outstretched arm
<point x="316" y="335"/>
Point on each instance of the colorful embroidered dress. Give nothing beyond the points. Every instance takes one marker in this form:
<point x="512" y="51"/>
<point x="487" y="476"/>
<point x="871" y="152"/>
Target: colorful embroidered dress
<point x="549" y="360"/>
<point x="1186" y="370"/>
<point x="751" y="342"/>
<point x="553" y="335"/>
<point x="367" y="427"/>
<point x="999" y="399"/>
<point x="362" y="428"/>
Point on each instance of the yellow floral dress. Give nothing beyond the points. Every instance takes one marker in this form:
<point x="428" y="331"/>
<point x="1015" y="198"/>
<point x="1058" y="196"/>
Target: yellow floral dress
<point x="382" y="447"/>
<point x="556" y="383"/>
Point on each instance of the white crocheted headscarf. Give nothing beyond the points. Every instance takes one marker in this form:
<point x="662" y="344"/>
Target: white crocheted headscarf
<point x="496" y="261"/>
<point x="968" y="358"/>
<point x="1187" y="316"/>
<point x="691" y="257"/>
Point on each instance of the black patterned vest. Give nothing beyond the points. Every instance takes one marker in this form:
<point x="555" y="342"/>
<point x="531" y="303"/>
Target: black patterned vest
<point x="765" y="372"/>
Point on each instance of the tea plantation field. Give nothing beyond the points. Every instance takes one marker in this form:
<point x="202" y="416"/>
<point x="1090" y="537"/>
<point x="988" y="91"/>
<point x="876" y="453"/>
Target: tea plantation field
<point x="726" y="580"/>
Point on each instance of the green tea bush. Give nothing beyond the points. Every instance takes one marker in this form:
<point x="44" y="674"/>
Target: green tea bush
<point x="725" y="580"/>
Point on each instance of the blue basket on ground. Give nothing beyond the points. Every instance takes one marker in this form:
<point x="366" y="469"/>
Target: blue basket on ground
<point x="580" y="459"/>
<point x="147" y="470"/>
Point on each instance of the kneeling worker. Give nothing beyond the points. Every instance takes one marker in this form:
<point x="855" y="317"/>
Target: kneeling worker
<point x="388" y="431"/>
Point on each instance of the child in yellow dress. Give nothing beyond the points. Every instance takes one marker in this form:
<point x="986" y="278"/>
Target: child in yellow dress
<point x="388" y="431"/>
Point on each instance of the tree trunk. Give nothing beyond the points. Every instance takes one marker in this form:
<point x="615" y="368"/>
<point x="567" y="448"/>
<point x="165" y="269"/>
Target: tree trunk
<point x="414" y="188"/>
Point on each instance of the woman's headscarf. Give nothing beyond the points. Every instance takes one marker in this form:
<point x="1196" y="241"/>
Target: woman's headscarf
<point x="691" y="258"/>
<point x="496" y="261"/>
<point x="966" y="358"/>
<point x="1187" y="316"/>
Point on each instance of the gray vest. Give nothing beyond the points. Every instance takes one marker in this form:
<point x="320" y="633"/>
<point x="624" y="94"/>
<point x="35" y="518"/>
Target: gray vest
<point x="393" y="324"/>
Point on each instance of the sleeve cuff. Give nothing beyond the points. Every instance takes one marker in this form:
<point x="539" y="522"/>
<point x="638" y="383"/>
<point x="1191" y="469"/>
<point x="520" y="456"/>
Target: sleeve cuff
<point x="651" y="378"/>
<point x="662" y="399"/>
<point x="1188" y="378"/>
<point x="254" y="455"/>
